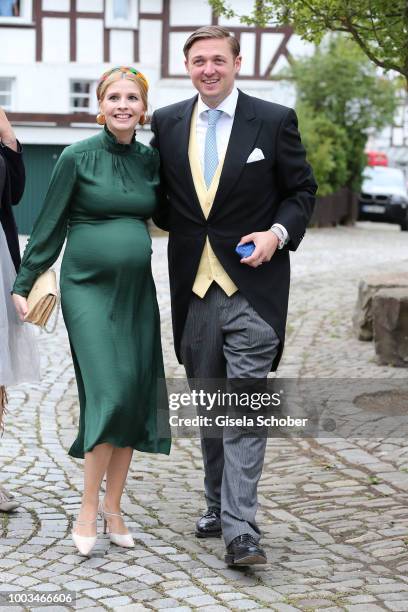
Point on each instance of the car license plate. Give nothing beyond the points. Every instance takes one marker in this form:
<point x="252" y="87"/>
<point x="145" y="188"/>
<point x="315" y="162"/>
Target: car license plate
<point x="373" y="208"/>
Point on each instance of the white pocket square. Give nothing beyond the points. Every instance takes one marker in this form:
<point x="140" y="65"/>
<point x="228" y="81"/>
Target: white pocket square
<point x="256" y="155"/>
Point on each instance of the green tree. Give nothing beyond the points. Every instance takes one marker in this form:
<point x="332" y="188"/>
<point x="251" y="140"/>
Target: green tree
<point x="326" y="146"/>
<point x="379" y="27"/>
<point x="339" y="84"/>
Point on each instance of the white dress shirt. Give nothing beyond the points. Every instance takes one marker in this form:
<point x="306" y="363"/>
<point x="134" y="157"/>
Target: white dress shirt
<point x="223" y="132"/>
<point x="223" y="126"/>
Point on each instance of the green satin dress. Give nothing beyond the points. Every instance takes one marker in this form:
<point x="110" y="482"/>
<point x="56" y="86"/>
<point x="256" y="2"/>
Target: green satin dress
<point x="100" y="196"/>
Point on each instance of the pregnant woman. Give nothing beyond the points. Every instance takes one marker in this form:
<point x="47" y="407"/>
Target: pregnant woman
<point x="102" y="191"/>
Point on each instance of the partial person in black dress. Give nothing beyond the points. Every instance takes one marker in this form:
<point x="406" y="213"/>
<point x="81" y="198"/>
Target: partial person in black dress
<point x="19" y="360"/>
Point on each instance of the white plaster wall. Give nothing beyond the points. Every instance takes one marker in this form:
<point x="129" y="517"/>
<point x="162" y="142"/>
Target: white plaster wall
<point x="90" y="40"/>
<point x="17" y="46"/>
<point x="90" y="6"/>
<point x="186" y="12"/>
<point x="55" y="40"/>
<point x="281" y="64"/>
<point x="269" y="45"/>
<point x="33" y="93"/>
<point x="150" y="43"/>
<point x="248" y="53"/>
<point x="53" y="5"/>
<point x="121" y="47"/>
<point x="176" y="55"/>
<point x="151" y="6"/>
<point x="46" y="90"/>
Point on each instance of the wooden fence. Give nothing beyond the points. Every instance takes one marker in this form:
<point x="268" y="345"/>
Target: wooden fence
<point x="340" y="208"/>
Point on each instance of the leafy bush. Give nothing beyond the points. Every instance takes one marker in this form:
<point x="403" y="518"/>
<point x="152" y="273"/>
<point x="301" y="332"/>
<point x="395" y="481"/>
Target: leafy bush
<point x="341" y="90"/>
<point x="326" y="146"/>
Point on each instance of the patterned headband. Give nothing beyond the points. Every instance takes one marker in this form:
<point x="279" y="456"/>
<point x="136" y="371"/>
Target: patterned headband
<point x="125" y="70"/>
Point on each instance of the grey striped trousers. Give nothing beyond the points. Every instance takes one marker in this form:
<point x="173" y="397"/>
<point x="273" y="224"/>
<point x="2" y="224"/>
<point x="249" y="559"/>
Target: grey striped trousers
<point x="224" y="337"/>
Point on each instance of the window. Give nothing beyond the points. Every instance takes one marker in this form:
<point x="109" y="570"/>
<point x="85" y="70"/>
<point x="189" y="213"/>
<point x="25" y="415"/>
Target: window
<point x="6" y="93"/>
<point x="121" y="14"/>
<point x="83" y="97"/>
<point x="121" y="9"/>
<point x="14" y="11"/>
<point x="9" y="8"/>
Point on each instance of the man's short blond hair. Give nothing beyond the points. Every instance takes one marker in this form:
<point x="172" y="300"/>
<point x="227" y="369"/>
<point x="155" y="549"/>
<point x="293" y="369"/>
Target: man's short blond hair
<point x="212" y="32"/>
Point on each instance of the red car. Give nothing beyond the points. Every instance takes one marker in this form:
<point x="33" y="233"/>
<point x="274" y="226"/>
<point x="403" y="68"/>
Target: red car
<point x="376" y="158"/>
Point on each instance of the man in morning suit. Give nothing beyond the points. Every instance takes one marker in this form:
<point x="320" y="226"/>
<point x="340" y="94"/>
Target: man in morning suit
<point x="233" y="170"/>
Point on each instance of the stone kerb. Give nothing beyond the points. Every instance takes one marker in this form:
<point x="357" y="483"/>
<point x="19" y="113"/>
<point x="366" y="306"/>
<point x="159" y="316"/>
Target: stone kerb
<point x="368" y="288"/>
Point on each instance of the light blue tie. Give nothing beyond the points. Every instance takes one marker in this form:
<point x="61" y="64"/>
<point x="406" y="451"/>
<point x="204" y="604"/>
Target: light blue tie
<point x="210" y="148"/>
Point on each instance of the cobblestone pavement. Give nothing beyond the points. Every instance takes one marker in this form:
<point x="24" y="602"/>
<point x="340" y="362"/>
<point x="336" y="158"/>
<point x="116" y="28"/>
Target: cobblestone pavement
<point x="333" y="511"/>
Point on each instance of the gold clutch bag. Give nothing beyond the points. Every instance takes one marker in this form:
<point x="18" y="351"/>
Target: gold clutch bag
<point x="42" y="299"/>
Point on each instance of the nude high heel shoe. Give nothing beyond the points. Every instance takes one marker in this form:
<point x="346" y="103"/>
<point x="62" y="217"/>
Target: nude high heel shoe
<point x="84" y="544"/>
<point x="120" y="539"/>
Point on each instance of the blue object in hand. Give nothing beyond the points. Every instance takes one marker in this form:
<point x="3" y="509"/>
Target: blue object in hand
<point x="245" y="250"/>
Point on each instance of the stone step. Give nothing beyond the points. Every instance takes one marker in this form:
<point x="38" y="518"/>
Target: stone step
<point x="367" y="289"/>
<point x="390" y="325"/>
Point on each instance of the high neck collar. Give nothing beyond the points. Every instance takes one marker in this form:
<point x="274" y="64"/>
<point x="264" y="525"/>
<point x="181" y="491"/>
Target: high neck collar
<point x="113" y="145"/>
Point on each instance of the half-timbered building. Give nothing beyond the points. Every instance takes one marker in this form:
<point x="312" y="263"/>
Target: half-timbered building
<point x="53" y="51"/>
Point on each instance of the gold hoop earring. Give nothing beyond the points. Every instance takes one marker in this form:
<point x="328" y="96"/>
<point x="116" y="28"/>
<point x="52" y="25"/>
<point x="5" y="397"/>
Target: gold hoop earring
<point x="100" y="119"/>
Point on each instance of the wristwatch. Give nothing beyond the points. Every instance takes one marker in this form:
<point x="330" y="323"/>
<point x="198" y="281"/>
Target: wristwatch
<point x="279" y="234"/>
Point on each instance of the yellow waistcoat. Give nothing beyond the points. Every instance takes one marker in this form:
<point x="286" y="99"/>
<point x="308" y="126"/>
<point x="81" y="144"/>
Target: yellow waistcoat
<point x="209" y="269"/>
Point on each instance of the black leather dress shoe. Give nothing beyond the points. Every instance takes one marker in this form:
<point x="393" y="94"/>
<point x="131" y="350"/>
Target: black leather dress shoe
<point x="209" y="525"/>
<point x="244" y="550"/>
